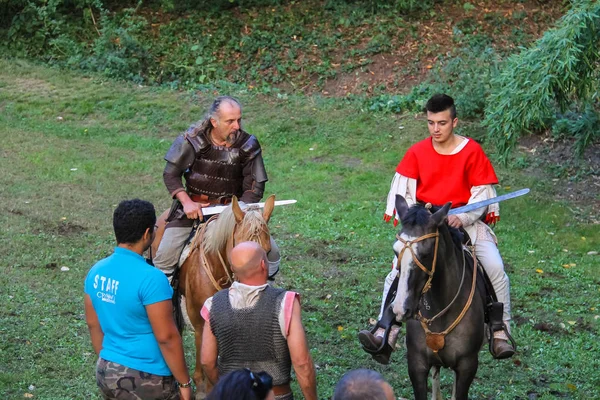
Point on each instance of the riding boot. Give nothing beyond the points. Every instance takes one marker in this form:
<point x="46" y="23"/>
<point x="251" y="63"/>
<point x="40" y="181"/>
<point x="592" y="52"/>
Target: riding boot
<point x="502" y="344"/>
<point x="274" y="260"/>
<point x="381" y="340"/>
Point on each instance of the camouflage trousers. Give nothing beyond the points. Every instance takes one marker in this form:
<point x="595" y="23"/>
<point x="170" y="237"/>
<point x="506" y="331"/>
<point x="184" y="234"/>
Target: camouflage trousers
<point x="119" y="382"/>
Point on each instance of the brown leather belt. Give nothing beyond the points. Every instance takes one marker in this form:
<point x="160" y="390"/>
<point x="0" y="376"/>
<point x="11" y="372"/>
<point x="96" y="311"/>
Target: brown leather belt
<point x="202" y="198"/>
<point x="280" y="390"/>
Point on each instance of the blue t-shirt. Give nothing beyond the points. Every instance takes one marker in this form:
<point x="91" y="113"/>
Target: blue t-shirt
<point x="120" y="287"/>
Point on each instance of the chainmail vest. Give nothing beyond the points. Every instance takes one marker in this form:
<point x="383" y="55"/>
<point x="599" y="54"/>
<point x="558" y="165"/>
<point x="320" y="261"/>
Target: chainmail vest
<point x="251" y="337"/>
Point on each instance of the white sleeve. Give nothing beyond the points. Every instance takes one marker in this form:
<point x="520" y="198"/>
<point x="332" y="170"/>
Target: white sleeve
<point x="479" y="193"/>
<point x="406" y="187"/>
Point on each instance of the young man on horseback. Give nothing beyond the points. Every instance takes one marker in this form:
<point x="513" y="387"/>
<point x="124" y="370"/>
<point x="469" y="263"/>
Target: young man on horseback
<point x="218" y="160"/>
<point x="447" y="167"/>
<point x="254" y="325"/>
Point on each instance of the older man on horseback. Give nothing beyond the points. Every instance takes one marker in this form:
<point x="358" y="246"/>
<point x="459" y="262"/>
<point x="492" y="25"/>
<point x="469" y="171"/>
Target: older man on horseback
<point x="447" y="167"/>
<point x="218" y="160"/>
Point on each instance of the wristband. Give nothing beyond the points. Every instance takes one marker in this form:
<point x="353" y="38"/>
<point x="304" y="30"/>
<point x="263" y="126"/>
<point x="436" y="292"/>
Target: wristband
<point x="185" y="385"/>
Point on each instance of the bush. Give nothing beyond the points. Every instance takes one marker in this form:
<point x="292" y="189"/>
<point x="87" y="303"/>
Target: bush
<point x="119" y="51"/>
<point x="464" y="75"/>
<point x="583" y="126"/>
<point x="558" y="70"/>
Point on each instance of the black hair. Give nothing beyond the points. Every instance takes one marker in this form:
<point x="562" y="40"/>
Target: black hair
<point x="441" y="102"/>
<point x="131" y="219"/>
<point x="242" y="384"/>
<point x="360" y="384"/>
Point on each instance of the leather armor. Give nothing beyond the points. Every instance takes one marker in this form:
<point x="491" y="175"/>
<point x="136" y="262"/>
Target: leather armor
<point x="219" y="171"/>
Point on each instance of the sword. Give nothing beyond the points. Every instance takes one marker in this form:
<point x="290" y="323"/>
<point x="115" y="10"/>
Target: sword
<point x="480" y="204"/>
<point x="219" y="209"/>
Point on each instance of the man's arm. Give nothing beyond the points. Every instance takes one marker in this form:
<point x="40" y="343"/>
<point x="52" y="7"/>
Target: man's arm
<point x="404" y="186"/>
<point x="300" y="355"/>
<point x="254" y="172"/>
<point x="209" y="353"/>
<point x="478" y="193"/>
<point x="160" y="315"/>
<point x="93" y="323"/>
<point x="179" y="158"/>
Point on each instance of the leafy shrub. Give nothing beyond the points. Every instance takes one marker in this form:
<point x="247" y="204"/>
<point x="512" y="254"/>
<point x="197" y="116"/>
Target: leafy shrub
<point x="465" y="75"/>
<point x="32" y="25"/>
<point x="119" y="51"/>
<point x="583" y="126"/>
<point x="558" y="69"/>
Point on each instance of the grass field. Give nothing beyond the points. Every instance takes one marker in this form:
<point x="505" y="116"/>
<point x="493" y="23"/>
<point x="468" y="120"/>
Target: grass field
<point x="73" y="146"/>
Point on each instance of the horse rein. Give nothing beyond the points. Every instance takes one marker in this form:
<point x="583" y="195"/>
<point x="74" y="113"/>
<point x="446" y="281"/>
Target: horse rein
<point x="436" y="340"/>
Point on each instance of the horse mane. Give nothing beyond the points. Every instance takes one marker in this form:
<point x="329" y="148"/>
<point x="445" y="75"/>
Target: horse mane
<point x="253" y="224"/>
<point x="218" y="232"/>
<point x="418" y="215"/>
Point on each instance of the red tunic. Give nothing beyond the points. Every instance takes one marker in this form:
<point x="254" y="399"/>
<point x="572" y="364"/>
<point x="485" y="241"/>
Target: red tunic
<point x="442" y="178"/>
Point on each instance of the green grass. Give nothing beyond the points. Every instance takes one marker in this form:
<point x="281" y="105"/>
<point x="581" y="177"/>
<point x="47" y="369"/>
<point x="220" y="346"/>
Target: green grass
<point x="331" y="156"/>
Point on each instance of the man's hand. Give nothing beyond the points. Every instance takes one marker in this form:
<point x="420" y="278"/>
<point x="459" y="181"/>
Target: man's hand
<point x="186" y="393"/>
<point x="454" y="221"/>
<point x="192" y="210"/>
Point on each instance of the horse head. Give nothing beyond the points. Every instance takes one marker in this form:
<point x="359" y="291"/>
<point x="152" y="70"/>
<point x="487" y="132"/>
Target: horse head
<point x="251" y="224"/>
<point x="416" y="250"/>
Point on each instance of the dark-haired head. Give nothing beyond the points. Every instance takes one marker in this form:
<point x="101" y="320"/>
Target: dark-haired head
<point x="439" y="103"/>
<point x="131" y="219"/>
<point x="242" y="384"/>
<point x="363" y="384"/>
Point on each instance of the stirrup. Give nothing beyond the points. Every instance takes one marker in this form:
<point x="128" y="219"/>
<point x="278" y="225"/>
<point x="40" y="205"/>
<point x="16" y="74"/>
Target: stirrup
<point x="508" y="335"/>
<point x="387" y="321"/>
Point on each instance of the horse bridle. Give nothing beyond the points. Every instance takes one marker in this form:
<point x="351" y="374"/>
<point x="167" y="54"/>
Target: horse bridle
<point x="436" y="340"/>
<point x="408" y="245"/>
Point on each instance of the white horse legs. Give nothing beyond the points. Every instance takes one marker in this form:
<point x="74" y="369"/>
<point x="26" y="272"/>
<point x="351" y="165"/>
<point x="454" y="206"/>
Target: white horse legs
<point x="436" y="391"/>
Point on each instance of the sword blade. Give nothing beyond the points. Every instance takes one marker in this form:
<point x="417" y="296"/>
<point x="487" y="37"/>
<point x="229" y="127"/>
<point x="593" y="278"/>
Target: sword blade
<point x="484" y="203"/>
<point x="219" y="209"/>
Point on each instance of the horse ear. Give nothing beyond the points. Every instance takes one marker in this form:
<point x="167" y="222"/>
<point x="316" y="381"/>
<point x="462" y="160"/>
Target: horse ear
<point x="401" y="206"/>
<point x="237" y="211"/>
<point x="440" y="215"/>
<point x="269" y="205"/>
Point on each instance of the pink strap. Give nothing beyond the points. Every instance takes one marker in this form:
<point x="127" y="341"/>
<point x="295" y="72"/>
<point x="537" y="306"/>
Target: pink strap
<point x="288" y="306"/>
<point x="205" y="313"/>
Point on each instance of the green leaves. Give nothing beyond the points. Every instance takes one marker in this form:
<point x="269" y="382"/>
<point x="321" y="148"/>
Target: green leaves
<point x="556" y="72"/>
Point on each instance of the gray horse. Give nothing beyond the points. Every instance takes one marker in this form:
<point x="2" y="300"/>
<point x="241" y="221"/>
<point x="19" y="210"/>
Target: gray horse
<point x="438" y="299"/>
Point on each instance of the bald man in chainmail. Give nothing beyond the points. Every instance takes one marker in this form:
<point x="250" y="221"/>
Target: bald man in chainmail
<point x="254" y="325"/>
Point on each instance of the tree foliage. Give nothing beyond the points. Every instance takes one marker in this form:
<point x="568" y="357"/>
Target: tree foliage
<point x="558" y="73"/>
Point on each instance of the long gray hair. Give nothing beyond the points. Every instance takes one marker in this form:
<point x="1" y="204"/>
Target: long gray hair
<point x="204" y="126"/>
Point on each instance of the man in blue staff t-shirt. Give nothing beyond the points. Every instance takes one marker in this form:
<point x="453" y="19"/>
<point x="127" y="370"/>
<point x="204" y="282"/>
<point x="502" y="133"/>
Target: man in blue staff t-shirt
<point x="129" y="314"/>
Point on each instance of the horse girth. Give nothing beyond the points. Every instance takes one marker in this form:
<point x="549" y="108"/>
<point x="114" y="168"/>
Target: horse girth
<point x="408" y="245"/>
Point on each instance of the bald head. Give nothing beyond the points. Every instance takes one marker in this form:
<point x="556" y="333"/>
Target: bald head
<point x="363" y="384"/>
<point x="249" y="260"/>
